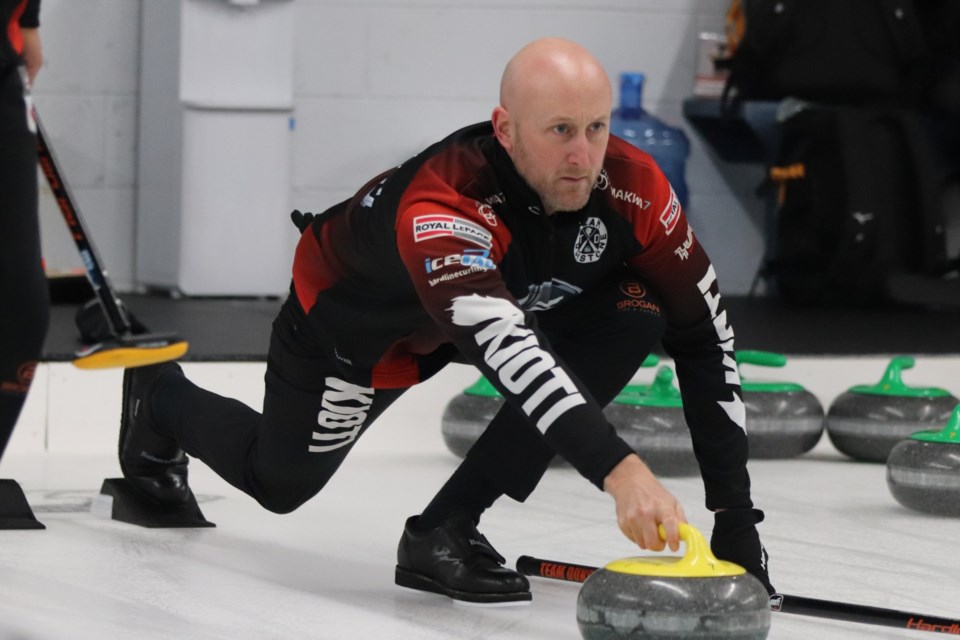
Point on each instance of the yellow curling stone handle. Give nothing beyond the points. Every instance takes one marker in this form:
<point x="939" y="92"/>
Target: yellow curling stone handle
<point x="697" y="562"/>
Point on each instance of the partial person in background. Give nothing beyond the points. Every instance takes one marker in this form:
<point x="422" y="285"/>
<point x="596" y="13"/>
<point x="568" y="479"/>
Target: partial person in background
<point x="535" y="246"/>
<point x="24" y="297"/>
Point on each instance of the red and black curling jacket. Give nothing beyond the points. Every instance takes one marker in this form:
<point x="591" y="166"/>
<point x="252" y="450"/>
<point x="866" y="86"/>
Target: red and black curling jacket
<point x="451" y="252"/>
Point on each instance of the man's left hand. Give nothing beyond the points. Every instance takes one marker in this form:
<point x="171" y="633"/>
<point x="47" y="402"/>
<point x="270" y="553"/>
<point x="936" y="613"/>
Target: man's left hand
<point x="736" y="540"/>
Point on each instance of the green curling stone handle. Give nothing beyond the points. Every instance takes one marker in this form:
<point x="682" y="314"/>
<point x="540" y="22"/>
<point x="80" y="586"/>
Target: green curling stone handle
<point x="891" y="384"/>
<point x="482" y="388"/>
<point x="779" y="602"/>
<point x="949" y="435"/>
<point x="659" y="393"/>
<point x="765" y="359"/>
<point x="761" y="358"/>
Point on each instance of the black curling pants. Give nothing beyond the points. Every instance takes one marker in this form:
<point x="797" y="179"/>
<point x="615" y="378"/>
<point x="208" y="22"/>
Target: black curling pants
<point x="603" y="337"/>
<point x="24" y="298"/>
<point x="311" y="418"/>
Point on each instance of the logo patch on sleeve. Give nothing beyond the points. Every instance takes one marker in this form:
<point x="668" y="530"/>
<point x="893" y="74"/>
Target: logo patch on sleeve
<point x="488" y="213"/>
<point x="436" y="225"/>
<point x="671" y="213"/>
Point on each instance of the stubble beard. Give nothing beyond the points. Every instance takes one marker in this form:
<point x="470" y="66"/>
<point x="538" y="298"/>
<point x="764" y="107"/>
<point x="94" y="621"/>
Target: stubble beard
<point x="554" y="197"/>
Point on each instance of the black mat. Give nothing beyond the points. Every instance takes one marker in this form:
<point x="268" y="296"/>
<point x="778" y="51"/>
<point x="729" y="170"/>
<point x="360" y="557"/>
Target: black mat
<point x="220" y="329"/>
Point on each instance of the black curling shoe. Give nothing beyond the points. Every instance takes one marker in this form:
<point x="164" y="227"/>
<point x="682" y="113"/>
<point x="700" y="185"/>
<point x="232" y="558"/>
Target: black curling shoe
<point x="150" y="461"/>
<point x="455" y="560"/>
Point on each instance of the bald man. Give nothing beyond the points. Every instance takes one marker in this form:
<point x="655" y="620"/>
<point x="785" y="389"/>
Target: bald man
<point x="538" y="248"/>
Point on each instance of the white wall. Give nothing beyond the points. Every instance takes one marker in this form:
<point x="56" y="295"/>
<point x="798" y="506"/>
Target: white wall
<point x="375" y="81"/>
<point x="86" y="94"/>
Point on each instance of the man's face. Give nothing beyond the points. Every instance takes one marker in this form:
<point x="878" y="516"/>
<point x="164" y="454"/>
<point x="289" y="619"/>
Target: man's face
<point x="559" y="146"/>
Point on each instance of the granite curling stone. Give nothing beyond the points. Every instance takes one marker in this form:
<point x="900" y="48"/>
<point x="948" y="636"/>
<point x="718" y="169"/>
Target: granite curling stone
<point x="650" y="419"/>
<point x="467" y="415"/>
<point x="784" y="420"/>
<point x="867" y="421"/>
<point x="923" y="471"/>
<point x="695" y="596"/>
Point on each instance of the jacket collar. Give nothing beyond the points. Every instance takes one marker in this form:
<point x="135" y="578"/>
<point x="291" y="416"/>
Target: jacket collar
<point x="519" y="194"/>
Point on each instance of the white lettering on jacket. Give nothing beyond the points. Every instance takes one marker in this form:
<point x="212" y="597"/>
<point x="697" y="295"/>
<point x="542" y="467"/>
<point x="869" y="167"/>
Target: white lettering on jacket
<point x="513" y="351"/>
<point x="734" y="408"/>
<point x="478" y="259"/>
<point x="629" y="196"/>
<point x="436" y="225"/>
<point x="344" y="411"/>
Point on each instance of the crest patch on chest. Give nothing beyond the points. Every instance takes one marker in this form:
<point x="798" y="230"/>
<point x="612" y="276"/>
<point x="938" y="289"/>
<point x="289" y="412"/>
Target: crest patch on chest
<point x="591" y="240"/>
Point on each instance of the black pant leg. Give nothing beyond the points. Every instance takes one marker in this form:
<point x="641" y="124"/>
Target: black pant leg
<point x="285" y="455"/>
<point x="24" y="298"/>
<point x="603" y="337"/>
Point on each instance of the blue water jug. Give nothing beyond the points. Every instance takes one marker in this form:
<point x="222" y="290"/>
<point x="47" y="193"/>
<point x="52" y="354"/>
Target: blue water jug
<point x="668" y="145"/>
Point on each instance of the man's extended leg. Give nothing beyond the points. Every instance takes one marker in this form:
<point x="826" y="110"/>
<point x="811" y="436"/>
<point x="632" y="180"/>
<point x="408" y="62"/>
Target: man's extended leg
<point x="311" y="419"/>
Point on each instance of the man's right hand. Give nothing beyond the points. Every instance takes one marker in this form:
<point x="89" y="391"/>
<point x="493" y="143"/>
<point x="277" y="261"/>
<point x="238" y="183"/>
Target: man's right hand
<point x="32" y="52"/>
<point x="643" y="504"/>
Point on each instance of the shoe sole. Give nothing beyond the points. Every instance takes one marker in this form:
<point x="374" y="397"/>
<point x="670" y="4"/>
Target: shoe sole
<point x="420" y="582"/>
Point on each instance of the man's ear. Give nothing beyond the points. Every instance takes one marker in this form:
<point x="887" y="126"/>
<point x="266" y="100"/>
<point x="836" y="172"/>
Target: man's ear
<point x="503" y="127"/>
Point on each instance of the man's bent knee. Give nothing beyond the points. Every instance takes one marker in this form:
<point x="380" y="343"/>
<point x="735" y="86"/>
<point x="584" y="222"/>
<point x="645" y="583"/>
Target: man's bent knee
<point x="281" y="504"/>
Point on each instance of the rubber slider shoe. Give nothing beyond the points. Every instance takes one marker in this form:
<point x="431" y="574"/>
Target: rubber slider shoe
<point x="455" y="560"/>
<point x="149" y="460"/>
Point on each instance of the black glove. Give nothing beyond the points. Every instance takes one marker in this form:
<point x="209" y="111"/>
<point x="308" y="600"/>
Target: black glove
<point x="735" y="539"/>
<point x="302" y="220"/>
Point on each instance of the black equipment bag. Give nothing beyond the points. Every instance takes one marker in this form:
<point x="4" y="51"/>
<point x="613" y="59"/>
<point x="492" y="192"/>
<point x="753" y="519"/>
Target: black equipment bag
<point x="837" y="51"/>
<point x="858" y="208"/>
<point x="936" y="82"/>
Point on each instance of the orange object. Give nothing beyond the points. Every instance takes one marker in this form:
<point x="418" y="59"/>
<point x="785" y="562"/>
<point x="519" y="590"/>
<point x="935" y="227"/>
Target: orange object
<point x="734" y="25"/>
<point x="782" y="175"/>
